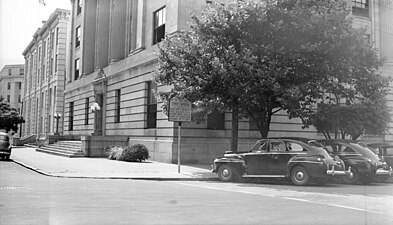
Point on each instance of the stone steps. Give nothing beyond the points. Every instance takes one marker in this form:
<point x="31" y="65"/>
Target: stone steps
<point x="63" y="148"/>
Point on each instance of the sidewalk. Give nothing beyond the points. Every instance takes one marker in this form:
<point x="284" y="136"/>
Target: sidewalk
<point x="59" y="166"/>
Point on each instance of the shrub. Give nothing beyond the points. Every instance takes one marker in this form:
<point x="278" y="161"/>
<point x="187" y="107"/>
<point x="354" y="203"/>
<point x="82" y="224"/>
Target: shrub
<point x="114" y="152"/>
<point x="135" y="153"/>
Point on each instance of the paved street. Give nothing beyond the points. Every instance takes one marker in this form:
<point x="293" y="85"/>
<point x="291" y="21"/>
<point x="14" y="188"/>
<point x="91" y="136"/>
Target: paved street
<point x="27" y="197"/>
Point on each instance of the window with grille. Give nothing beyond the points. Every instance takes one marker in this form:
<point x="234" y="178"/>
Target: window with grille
<point x="71" y="116"/>
<point x="216" y="120"/>
<point x="360" y="8"/>
<point x="159" y="25"/>
<point x="117" y="105"/>
<point x="8" y="86"/>
<point x="151" y="105"/>
<point x="87" y="111"/>
<point x="21" y="72"/>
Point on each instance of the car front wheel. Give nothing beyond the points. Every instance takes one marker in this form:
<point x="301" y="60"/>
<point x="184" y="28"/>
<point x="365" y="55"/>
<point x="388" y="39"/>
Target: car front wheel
<point x="299" y="175"/>
<point x="226" y="173"/>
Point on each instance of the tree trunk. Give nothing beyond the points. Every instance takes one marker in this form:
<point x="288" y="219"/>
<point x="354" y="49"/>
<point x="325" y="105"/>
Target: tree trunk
<point x="265" y="125"/>
<point x="235" y="129"/>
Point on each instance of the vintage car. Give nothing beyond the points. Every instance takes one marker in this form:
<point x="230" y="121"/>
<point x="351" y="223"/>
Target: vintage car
<point x="366" y="166"/>
<point x="283" y="158"/>
<point x="383" y="150"/>
<point x="5" y="146"/>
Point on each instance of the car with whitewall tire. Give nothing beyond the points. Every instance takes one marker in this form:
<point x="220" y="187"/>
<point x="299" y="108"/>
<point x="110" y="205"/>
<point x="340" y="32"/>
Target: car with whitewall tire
<point x="280" y="158"/>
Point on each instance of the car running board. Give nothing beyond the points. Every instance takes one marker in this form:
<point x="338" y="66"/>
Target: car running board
<point x="267" y="176"/>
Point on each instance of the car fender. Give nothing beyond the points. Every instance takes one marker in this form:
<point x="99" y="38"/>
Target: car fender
<point x="314" y="166"/>
<point x="238" y="162"/>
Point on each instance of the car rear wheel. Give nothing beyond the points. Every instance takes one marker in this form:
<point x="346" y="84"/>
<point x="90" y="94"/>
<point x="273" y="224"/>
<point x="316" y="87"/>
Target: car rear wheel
<point x="299" y="175"/>
<point x="352" y="178"/>
<point x="226" y="173"/>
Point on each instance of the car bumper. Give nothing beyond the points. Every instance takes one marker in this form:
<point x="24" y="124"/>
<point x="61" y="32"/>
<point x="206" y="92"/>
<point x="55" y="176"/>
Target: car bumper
<point x="334" y="172"/>
<point x="383" y="172"/>
<point x="5" y="153"/>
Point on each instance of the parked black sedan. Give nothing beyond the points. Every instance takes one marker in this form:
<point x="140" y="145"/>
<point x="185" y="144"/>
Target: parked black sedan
<point x="283" y="158"/>
<point x="383" y="150"/>
<point x="366" y="166"/>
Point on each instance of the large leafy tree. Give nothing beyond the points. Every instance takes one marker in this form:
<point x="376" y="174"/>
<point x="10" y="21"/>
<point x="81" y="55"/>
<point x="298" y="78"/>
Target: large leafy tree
<point x="259" y="57"/>
<point x="9" y="117"/>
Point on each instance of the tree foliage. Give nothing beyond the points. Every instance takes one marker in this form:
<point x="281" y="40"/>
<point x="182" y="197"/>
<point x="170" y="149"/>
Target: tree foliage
<point x="265" y="56"/>
<point x="351" y="120"/>
<point x="9" y="117"/>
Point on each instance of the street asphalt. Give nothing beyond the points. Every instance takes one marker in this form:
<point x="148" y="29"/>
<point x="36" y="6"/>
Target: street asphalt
<point x="60" y="166"/>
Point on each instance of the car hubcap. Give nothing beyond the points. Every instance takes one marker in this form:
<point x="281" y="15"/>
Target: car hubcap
<point x="299" y="175"/>
<point x="225" y="173"/>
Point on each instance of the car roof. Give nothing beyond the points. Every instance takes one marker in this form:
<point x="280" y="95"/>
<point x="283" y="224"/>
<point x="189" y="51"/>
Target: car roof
<point x="3" y="133"/>
<point x="380" y="144"/>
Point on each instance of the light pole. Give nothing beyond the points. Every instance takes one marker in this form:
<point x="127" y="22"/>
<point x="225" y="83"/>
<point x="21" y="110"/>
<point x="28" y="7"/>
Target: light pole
<point x="95" y="108"/>
<point x="57" y="117"/>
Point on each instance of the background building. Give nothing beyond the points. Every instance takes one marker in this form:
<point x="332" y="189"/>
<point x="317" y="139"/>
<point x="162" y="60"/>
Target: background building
<point x="109" y="90"/>
<point x="45" y="66"/>
<point x="11" y="86"/>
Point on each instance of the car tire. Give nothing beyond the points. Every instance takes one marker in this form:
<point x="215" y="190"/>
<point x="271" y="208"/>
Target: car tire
<point x="299" y="176"/>
<point x="352" y="178"/>
<point x="226" y="173"/>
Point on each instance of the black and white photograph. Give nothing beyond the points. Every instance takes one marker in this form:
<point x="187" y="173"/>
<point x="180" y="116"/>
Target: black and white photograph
<point x="196" y="112"/>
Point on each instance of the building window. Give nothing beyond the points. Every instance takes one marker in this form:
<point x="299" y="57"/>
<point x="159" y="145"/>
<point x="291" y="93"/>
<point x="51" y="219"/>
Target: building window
<point x="253" y="125"/>
<point x="8" y="98"/>
<point x="360" y="8"/>
<point x="151" y="105"/>
<point x="216" y="120"/>
<point x="117" y="105"/>
<point x="87" y="111"/>
<point x="19" y="98"/>
<point x="57" y="36"/>
<point x="56" y="63"/>
<point x="76" y="74"/>
<point x="78" y="37"/>
<point x="9" y="72"/>
<point x="79" y="7"/>
<point x="71" y="117"/>
<point x="21" y="72"/>
<point x="19" y="85"/>
<point x="8" y="86"/>
<point x="159" y="25"/>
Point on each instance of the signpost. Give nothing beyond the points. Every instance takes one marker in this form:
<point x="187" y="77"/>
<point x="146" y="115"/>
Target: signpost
<point x="179" y="111"/>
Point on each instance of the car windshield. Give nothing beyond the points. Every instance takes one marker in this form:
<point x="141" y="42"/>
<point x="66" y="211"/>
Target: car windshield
<point x="364" y="151"/>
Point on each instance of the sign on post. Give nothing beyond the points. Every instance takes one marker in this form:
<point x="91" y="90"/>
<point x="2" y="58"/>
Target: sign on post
<point x="179" y="111"/>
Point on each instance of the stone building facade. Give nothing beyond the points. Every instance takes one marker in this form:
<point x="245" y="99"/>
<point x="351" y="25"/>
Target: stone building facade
<point x="45" y="69"/>
<point x="11" y="85"/>
<point x="109" y="93"/>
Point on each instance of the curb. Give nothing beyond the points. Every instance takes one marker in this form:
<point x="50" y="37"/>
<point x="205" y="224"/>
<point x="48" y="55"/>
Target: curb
<point x="114" y="178"/>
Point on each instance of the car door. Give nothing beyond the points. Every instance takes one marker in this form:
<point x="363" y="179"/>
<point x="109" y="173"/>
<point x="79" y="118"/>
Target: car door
<point x="256" y="160"/>
<point x="278" y="157"/>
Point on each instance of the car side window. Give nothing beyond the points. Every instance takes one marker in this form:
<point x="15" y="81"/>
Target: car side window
<point x="329" y="148"/>
<point x="388" y="151"/>
<point x="293" y="147"/>
<point x="276" y="146"/>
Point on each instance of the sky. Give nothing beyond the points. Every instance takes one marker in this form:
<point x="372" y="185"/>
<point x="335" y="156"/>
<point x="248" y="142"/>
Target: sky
<point x="19" y="20"/>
